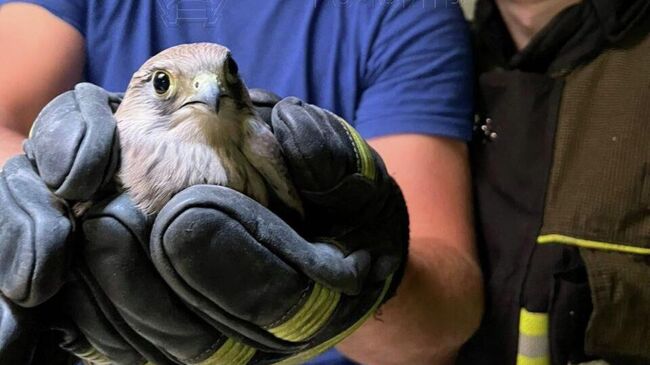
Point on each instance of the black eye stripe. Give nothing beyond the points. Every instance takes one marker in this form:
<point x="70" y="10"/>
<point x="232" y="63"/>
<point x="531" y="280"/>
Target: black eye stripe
<point x="232" y="66"/>
<point x="161" y="82"/>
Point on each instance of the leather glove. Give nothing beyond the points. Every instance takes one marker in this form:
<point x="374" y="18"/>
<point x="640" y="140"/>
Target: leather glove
<point x="71" y="155"/>
<point x="123" y="310"/>
<point x="353" y="239"/>
<point x="217" y="278"/>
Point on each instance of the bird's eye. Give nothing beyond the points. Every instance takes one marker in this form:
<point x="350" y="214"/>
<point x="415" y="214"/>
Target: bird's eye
<point x="161" y="82"/>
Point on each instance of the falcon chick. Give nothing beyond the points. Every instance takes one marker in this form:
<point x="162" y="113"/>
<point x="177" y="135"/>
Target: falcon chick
<point x="187" y="119"/>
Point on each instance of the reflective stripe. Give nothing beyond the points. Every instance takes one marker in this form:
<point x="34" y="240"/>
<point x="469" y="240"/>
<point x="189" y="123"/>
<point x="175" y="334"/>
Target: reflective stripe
<point x="230" y="353"/>
<point x="306" y="355"/>
<point x="533" y="339"/>
<point x="366" y="164"/>
<point x="523" y="360"/>
<point x="533" y="346"/>
<point x="533" y="324"/>
<point x="94" y="357"/>
<point x="605" y="246"/>
<point x="313" y="315"/>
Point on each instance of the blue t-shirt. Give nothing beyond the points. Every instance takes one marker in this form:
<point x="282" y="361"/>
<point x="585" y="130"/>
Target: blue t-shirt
<point x="386" y="66"/>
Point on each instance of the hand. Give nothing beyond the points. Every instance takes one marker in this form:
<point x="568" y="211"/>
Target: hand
<point x="222" y="277"/>
<point x="353" y="240"/>
<point x="71" y="155"/>
<point x="122" y="312"/>
<point x="123" y="309"/>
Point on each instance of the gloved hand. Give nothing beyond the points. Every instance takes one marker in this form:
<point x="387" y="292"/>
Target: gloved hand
<point x="72" y="154"/>
<point x="291" y="297"/>
<point x="223" y="280"/>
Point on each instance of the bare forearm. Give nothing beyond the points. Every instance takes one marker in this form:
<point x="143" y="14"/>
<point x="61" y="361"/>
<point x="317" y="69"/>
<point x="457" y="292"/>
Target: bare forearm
<point x="42" y="56"/>
<point x="10" y="144"/>
<point x="437" y="308"/>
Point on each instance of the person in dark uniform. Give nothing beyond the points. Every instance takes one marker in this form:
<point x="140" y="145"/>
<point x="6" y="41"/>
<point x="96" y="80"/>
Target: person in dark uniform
<point x="561" y="165"/>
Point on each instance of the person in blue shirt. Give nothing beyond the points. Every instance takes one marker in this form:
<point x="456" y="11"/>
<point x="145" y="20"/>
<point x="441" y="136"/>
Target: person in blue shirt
<point x="399" y="71"/>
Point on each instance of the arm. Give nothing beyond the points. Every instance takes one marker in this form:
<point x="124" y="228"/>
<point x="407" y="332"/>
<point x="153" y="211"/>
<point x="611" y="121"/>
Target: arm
<point x="41" y="57"/>
<point x="439" y="304"/>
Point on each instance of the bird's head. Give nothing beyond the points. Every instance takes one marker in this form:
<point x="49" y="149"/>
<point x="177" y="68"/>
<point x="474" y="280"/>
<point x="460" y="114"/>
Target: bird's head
<point x="191" y="83"/>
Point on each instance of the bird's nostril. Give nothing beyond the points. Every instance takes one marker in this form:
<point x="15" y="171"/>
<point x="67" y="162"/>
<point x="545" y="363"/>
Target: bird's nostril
<point x="196" y="84"/>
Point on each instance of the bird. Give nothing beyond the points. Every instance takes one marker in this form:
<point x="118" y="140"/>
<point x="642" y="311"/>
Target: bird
<point x="187" y="119"/>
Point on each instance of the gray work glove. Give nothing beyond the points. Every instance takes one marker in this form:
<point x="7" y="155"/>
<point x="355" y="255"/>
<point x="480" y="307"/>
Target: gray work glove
<point x="217" y="277"/>
<point x="71" y="156"/>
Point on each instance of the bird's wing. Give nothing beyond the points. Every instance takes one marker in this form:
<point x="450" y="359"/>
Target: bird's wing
<point x="263" y="152"/>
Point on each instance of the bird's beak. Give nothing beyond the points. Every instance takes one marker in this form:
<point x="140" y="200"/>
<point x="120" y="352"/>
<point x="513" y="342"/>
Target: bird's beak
<point x="206" y="91"/>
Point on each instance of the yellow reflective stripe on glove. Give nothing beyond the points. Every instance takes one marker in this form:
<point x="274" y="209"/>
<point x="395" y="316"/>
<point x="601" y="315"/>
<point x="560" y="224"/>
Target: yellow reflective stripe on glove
<point x="230" y="353"/>
<point x="366" y="165"/>
<point x="313" y="315"/>
<point x="315" y="351"/>
<point x="93" y="357"/>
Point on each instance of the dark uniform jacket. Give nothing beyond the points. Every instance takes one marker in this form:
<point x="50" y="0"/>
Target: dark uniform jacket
<point x="561" y="164"/>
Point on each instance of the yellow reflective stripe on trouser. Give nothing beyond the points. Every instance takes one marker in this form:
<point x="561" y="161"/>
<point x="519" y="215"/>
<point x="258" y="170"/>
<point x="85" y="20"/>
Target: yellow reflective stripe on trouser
<point x="317" y="350"/>
<point x="597" y="245"/>
<point x="230" y="353"/>
<point x="366" y="164"/>
<point x="533" y="339"/>
<point x="311" y="317"/>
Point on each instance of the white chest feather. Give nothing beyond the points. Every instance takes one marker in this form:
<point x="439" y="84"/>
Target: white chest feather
<point x="157" y="165"/>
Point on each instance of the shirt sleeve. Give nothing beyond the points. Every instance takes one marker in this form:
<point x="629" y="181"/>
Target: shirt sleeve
<point x="72" y="12"/>
<point x="418" y="76"/>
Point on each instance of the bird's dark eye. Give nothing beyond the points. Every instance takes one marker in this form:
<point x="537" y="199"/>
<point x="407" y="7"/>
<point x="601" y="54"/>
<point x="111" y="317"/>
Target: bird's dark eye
<point x="233" y="69"/>
<point x="161" y="82"/>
